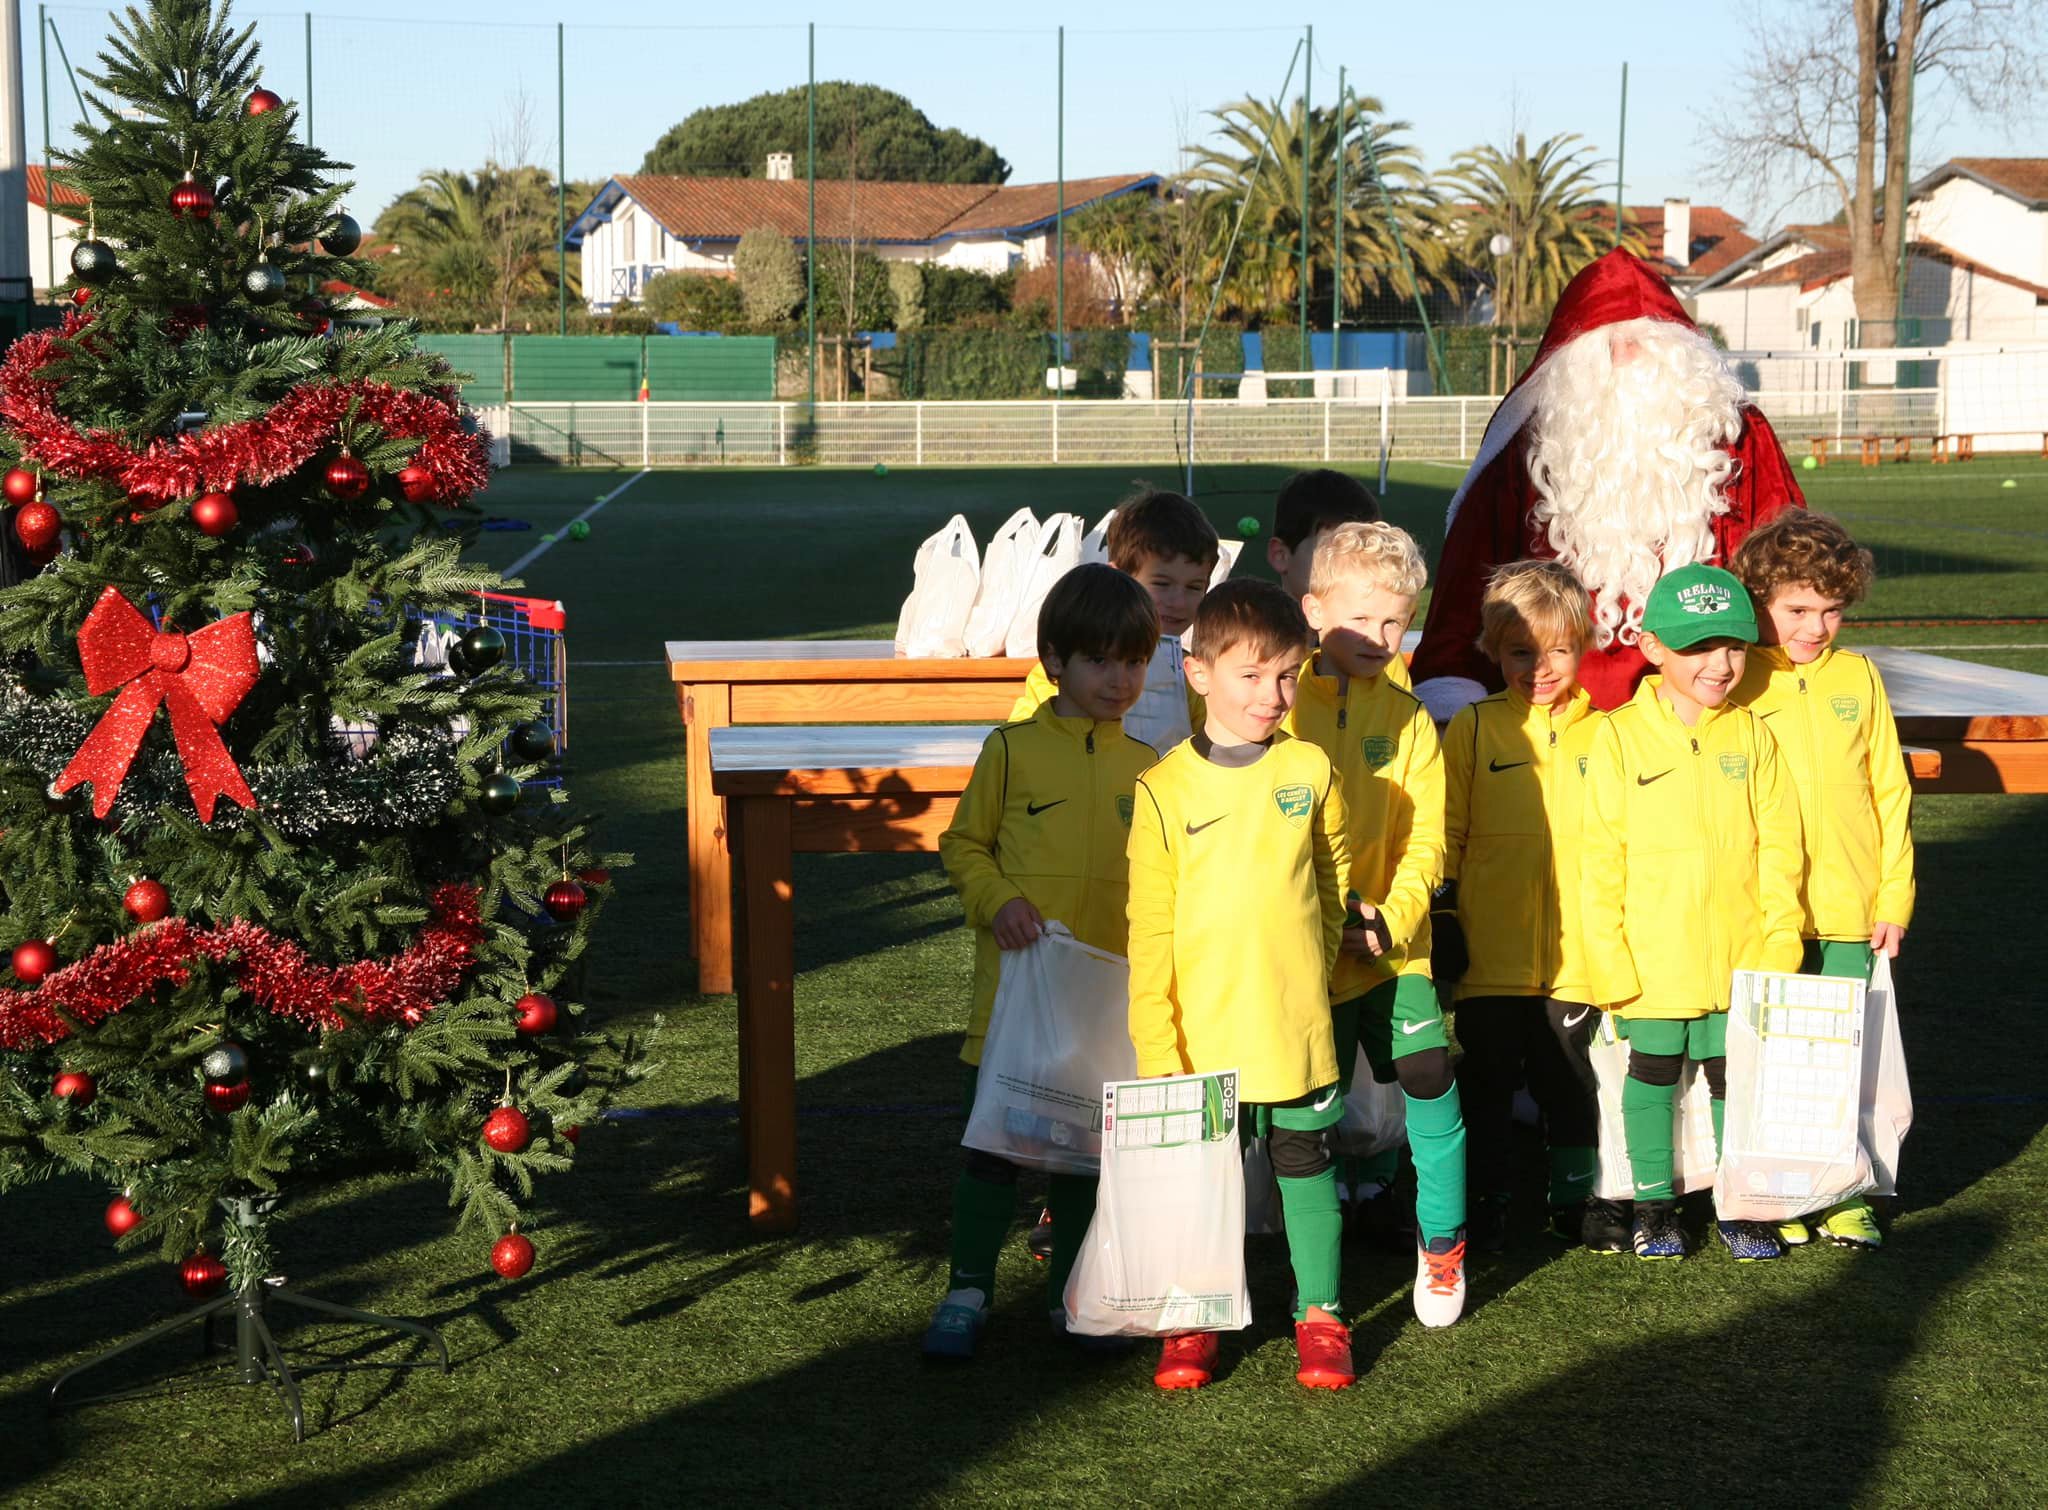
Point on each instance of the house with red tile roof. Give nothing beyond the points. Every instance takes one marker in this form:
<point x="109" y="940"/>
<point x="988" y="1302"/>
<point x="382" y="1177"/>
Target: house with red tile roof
<point x="50" y="229"/>
<point x="1689" y="243"/>
<point x="641" y="225"/>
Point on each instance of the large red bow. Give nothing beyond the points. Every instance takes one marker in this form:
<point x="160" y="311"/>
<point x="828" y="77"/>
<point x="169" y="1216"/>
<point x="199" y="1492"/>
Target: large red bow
<point x="202" y="676"/>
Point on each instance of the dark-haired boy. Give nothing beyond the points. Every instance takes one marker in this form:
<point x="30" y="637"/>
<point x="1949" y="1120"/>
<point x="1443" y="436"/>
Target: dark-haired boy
<point x="1237" y="852"/>
<point x="1040" y="833"/>
<point x="1307" y="504"/>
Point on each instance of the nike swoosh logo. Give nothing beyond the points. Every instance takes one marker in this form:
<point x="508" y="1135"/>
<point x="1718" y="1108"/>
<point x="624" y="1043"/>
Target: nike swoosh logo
<point x="1572" y="1022"/>
<point x="1412" y="1028"/>
<point x="1495" y="765"/>
<point x="1035" y="808"/>
<point x="1196" y="828"/>
<point x="1646" y="780"/>
<point x="1651" y="1186"/>
<point x="1579" y="1178"/>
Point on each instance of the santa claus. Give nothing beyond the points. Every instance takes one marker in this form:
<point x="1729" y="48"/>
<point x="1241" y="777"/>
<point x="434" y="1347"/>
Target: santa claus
<point x="1627" y="450"/>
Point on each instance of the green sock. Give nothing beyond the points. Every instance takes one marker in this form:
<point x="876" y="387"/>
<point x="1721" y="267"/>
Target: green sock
<point x="1571" y="1174"/>
<point x="1646" y="1112"/>
<point x="1071" y="1199"/>
<point x="1315" y="1232"/>
<point x="1720" y="1107"/>
<point x="1436" y="1136"/>
<point x="981" y="1216"/>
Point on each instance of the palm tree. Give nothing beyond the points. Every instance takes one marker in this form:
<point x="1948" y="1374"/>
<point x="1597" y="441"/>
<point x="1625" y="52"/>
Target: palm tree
<point x="481" y="238"/>
<point x="1256" y="170"/>
<point x="1547" y="206"/>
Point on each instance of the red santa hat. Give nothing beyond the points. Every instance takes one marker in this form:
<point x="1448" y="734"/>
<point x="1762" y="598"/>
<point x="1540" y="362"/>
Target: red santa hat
<point x="1613" y="289"/>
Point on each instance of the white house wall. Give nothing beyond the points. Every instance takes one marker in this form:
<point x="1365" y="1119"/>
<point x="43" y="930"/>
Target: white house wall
<point x="1985" y="226"/>
<point x="40" y="231"/>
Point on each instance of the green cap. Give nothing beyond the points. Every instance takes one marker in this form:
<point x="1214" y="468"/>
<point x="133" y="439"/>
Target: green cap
<point x="1698" y="603"/>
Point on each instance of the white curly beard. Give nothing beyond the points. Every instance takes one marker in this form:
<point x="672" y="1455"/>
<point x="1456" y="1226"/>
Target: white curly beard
<point x="1628" y="462"/>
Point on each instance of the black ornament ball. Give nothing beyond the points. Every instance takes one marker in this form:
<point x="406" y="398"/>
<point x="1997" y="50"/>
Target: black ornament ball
<point x="316" y="1076"/>
<point x="343" y="238"/>
<point x="533" y="742"/>
<point x="499" y="795"/>
<point x="264" y="284"/>
<point x="226" y="1061"/>
<point x="483" y="647"/>
<point x="94" y="263"/>
<point x="458" y="663"/>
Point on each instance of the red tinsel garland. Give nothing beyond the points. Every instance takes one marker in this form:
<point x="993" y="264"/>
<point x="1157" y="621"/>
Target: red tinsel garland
<point x="275" y="972"/>
<point x="300" y="426"/>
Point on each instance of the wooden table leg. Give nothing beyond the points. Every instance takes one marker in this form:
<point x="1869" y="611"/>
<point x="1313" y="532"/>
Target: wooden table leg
<point x="708" y="706"/>
<point x="766" y="938"/>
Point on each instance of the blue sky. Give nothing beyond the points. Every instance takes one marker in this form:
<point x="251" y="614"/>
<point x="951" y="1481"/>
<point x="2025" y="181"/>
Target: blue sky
<point x="394" y="93"/>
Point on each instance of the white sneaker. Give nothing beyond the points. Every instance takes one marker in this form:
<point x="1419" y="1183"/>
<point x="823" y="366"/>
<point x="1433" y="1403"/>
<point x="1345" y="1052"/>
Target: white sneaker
<point x="1440" y="1279"/>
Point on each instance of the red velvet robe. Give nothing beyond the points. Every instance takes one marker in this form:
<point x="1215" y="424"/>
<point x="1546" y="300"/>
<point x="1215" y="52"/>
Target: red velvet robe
<point x="1494" y="526"/>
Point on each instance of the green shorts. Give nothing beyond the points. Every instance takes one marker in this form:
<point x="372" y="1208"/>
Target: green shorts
<point x="1845" y="959"/>
<point x="1318" y="1110"/>
<point x="1698" y="1038"/>
<point x="1394" y="1019"/>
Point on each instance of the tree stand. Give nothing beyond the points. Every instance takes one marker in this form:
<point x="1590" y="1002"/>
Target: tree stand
<point x="257" y="1357"/>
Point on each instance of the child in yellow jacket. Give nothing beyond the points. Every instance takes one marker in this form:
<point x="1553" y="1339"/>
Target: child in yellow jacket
<point x="1040" y="834"/>
<point x="1380" y="740"/>
<point x="1828" y="711"/>
<point x="1506" y="920"/>
<point x="1689" y="869"/>
<point x="1237" y="853"/>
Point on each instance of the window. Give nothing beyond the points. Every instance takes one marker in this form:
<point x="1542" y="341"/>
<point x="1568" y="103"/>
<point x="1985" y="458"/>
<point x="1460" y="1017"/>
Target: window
<point x="626" y="231"/>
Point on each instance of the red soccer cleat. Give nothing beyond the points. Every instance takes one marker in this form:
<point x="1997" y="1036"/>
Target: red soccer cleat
<point x="1188" y="1361"/>
<point x="1324" y="1348"/>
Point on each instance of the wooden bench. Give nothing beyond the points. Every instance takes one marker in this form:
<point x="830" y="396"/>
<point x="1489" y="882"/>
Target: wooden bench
<point x="1961" y="445"/>
<point x="1869" y="447"/>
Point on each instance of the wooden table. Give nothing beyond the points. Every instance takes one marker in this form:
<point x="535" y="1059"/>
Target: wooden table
<point x="724" y="682"/>
<point x="1987" y="725"/>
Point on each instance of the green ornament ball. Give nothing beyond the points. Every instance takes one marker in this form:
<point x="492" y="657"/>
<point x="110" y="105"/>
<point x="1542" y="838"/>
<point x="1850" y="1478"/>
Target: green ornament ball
<point x="579" y="529"/>
<point x="1248" y="526"/>
<point x="498" y="795"/>
<point x="547" y="539"/>
<point x="1810" y="462"/>
<point x="482" y="648"/>
<point x="881" y="469"/>
<point x="533" y="742"/>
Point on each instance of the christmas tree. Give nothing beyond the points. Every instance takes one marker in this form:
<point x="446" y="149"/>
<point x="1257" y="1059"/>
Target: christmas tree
<point x="284" y="896"/>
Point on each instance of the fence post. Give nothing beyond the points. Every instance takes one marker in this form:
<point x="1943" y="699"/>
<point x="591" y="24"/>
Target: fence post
<point x="920" y="432"/>
<point x="782" y="435"/>
<point x="645" y="405"/>
<point x="1326" y="428"/>
<point x="1056" y="427"/>
<point x="1461" y="429"/>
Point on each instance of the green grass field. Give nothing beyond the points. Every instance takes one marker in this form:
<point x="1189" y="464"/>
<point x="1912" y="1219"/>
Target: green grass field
<point x="662" y="1353"/>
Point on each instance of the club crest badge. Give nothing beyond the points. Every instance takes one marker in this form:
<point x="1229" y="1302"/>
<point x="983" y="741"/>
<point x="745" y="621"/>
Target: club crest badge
<point x="1735" y="767"/>
<point x="1295" y="803"/>
<point x="1378" y="748"/>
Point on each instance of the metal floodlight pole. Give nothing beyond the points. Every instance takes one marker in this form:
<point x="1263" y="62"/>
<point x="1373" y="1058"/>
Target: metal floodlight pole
<point x="811" y="246"/>
<point x="1372" y="162"/>
<point x="561" y="184"/>
<point x="306" y="109"/>
<point x="1308" y="73"/>
<point x="1620" y="154"/>
<point x="1337" y="240"/>
<point x="49" y="184"/>
<point x="1059" y="355"/>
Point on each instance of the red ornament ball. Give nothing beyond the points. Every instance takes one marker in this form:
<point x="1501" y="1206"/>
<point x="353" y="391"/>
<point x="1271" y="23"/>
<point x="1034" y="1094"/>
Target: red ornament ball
<point x="417" y="484"/>
<point x="20" y="486"/>
<point x="215" y="514"/>
<point x="537" y="1013"/>
<point x="37" y="526"/>
<point x="597" y="875"/>
<point x="573" y="1132"/>
<point x="565" y="900"/>
<point x="226" y="1098"/>
<point x="192" y="198"/>
<point x="263" y="101"/>
<point x="507" y="1129"/>
<point x="202" y="1275"/>
<point x="147" y="901"/>
<point x="81" y="296"/>
<point x="512" y="1255"/>
<point x="121" y="1216"/>
<point x="75" y="1086"/>
<point x="33" y="959"/>
<point x="347" y="478"/>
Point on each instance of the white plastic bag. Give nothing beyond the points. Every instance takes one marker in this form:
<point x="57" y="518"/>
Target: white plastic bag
<point x="1796" y="1053"/>
<point x="1058" y="552"/>
<point x="1263" y="1214"/>
<point x="1692" y="1135"/>
<point x="1004" y="567"/>
<point x="947" y="576"/>
<point x="1375" y="1115"/>
<point x="1058" y="1029"/>
<point x="1887" y="1111"/>
<point x="1227" y="552"/>
<point x="1095" y="544"/>
<point x="1165" y="1252"/>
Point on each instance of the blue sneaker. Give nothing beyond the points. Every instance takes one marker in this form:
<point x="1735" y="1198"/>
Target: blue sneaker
<point x="1750" y="1242"/>
<point x="1656" y="1231"/>
<point x="956" y="1326"/>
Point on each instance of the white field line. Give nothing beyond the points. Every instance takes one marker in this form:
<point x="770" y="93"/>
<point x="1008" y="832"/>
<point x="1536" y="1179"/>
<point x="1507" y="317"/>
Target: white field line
<point x="546" y="545"/>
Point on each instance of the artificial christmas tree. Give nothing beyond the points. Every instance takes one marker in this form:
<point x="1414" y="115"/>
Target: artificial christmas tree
<point x="250" y="948"/>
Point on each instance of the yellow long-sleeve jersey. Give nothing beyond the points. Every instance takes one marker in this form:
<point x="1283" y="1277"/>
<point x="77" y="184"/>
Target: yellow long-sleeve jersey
<point x="1236" y="913"/>
<point x="1514" y="794"/>
<point x="1167" y="711"/>
<point x="1689" y="857"/>
<point x="1046" y="816"/>
<point x="1833" y="724"/>
<point x="1380" y="739"/>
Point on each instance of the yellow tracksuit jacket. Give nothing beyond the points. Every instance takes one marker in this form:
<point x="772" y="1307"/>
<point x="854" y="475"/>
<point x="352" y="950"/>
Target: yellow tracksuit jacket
<point x="1384" y="747"/>
<point x="1833" y="724"/>
<point x="1514" y="793"/>
<point x="1156" y="718"/>
<point x="1045" y="816"/>
<point x="1236" y="912"/>
<point x="1689" y="857"/>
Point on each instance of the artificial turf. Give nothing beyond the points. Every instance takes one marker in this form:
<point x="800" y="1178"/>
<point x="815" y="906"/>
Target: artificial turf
<point x="662" y="1352"/>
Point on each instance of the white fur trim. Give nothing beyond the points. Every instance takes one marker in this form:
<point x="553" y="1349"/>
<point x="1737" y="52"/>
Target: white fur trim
<point x="1445" y="695"/>
<point x="1513" y="413"/>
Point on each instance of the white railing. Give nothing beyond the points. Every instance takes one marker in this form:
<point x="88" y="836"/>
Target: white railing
<point x="1127" y="432"/>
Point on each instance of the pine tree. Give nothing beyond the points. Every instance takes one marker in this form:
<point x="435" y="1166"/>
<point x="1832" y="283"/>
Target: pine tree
<point x="294" y="938"/>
